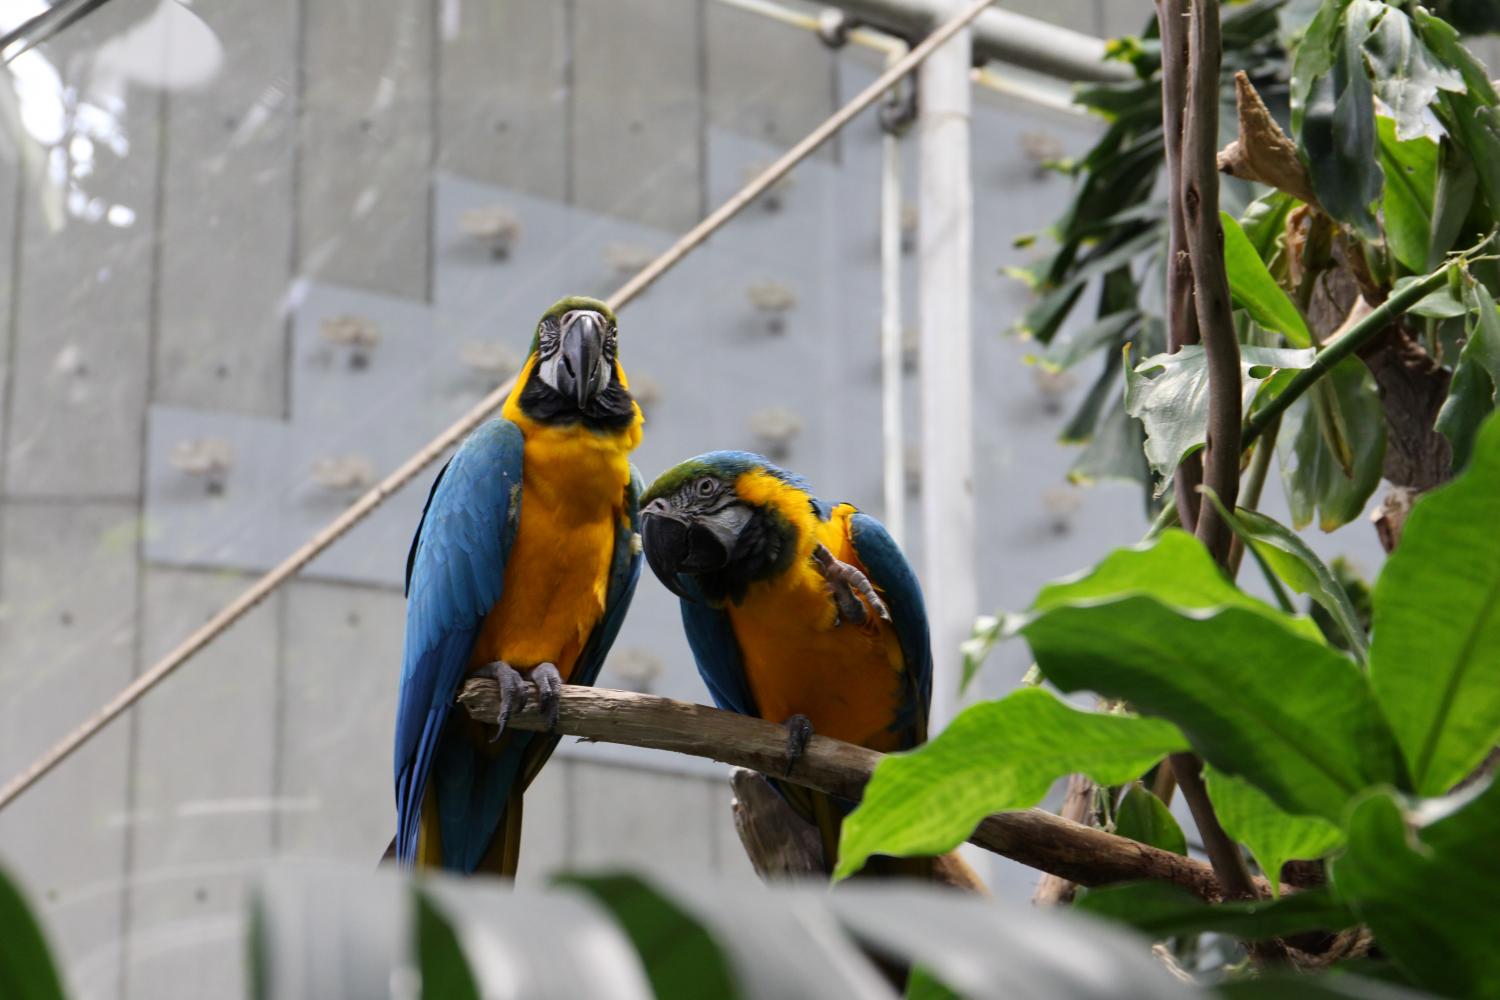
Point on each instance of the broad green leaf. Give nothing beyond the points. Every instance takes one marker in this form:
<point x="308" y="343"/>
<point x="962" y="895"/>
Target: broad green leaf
<point x="681" y="958"/>
<point x="1471" y="118"/>
<point x="1435" y="655"/>
<point x="1471" y="395"/>
<point x="1160" y="909"/>
<point x="1256" y="699"/>
<point x="1116" y="450"/>
<point x="1144" y="817"/>
<point x="1255" y="291"/>
<point x="1411" y="170"/>
<point x="1299" y="567"/>
<point x="1174" y="568"/>
<point x="1272" y="834"/>
<point x="1439" y="304"/>
<point x="1169" y="394"/>
<point x="440" y="956"/>
<point x="921" y="984"/>
<point x="1452" y="199"/>
<point x="1315" y="54"/>
<point x="1337" y="984"/>
<point x="1407" y="76"/>
<point x="995" y="756"/>
<point x="1338" y="428"/>
<point x="1426" y="883"/>
<point x="26" y="969"/>
<point x="1337" y="136"/>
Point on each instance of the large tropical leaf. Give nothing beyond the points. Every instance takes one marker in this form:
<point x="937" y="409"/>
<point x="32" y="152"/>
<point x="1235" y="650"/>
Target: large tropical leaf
<point x="1425" y="880"/>
<point x="1337" y="123"/>
<point x="1273" y="835"/>
<point x="1257" y="700"/>
<point x="1435" y="656"/>
<point x="1332" y="447"/>
<point x="1471" y="396"/>
<point x="995" y="756"/>
<point x="1163" y="910"/>
<point x="1411" y="172"/>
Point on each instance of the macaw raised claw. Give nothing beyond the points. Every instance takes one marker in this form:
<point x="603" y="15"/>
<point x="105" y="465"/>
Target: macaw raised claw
<point x="521" y="570"/>
<point x="798" y="611"/>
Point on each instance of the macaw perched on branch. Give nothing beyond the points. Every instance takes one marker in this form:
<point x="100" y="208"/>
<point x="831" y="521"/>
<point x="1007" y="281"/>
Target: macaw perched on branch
<point x="521" y="570"/>
<point x="798" y="611"/>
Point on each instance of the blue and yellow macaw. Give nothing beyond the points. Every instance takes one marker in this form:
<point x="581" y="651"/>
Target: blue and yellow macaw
<point x="798" y="611"/>
<point x="521" y="570"/>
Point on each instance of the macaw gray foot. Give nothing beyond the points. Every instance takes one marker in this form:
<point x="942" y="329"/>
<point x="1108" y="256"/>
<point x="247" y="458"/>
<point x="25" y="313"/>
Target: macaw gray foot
<point x="513" y="692"/>
<point x="549" y="685"/>
<point x="799" y="730"/>
<point x="853" y="594"/>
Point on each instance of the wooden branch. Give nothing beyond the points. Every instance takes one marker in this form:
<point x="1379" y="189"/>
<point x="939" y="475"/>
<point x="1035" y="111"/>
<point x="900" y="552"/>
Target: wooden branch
<point x="1182" y="317"/>
<point x="1199" y="197"/>
<point x="1035" y="838"/>
<point x="1078" y="806"/>
<point x="1263" y="152"/>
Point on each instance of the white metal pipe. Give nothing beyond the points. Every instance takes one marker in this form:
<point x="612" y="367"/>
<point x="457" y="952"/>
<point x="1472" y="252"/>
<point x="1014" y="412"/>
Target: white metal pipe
<point x="892" y="369"/>
<point x="945" y="231"/>
<point x="1001" y="35"/>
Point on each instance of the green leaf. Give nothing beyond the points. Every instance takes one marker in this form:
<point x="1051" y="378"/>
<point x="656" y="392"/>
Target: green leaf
<point x="1426" y="881"/>
<point x="1173" y="568"/>
<point x="1272" y="834"/>
<point x="1315" y="54"/>
<point x="995" y="756"/>
<point x="1453" y="197"/>
<point x="1407" y="76"/>
<point x="1144" y="817"/>
<point x="1471" y="395"/>
<point x="1255" y="698"/>
<point x="921" y="984"/>
<point x="1435" y="659"/>
<point x="1064" y="354"/>
<point x="1411" y="170"/>
<point x="1332" y="446"/>
<point x="1339" y="984"/>
<point x="1116" y="450"/>
<point x="681" y="957"/>
<point x="1337" y="136"/>
<point x="1255" y="291"/>
<point x="1299" y="567"/>
<point x="1160" y="910"/>
<point x="440" y="956"/>
<point x="1264" y="223"/>
<point x="26" y="968"/>
<point x="1169" y="394"/>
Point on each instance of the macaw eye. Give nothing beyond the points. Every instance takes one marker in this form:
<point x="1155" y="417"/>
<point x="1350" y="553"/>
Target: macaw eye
<point x="706" y="487"/>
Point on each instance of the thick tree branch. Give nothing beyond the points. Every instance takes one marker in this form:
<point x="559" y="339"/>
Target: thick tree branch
<point x="1035" y="838"/>
<point x="1199" y="197"/>
<point x="1182" y="317"/>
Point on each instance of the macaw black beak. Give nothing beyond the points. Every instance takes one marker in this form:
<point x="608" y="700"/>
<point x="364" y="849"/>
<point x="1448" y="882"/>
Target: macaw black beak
<point x="581" y="373"/>
<point x="676" y="543"/>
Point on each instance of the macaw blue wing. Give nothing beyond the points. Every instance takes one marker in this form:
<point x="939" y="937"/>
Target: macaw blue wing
<point x="716" y="651"/>
<point x="455" y="575"/>
<point x="888" y="569"/>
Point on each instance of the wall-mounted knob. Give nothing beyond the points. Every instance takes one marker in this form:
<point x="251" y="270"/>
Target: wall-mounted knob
<point x="774" y="196"/>
<point x="1053" y="387"/>
<point x="1043" y="149"/>
<point x="493" y="227"/>
<point x="343" y="472"/>
<point x="775" y="428"/>
<point x="207" y="458"/>
<point x="626" y="259"/>
<point x="909" y="221"/>
<point x="357" y="336"/>
<point x="774" y="300"/>
<point x="637" y="668"/>
<point x="496" y="361"/>
<point x="1061" y="503"/>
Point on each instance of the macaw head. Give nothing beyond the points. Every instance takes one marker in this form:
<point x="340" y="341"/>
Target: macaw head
<point x="574" y="371"/>
<point x="726" y="520"/>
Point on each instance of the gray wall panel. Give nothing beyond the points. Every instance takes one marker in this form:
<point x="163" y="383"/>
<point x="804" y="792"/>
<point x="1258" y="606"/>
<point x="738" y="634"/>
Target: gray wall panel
<point x="366" y="141"/>
<point x="777" y="100"/>
<point x="638" y="109"/>
<point x="203" y="790"/>
<point x="68" y="594"/>
<point x="227" y="219"/>
<point x="625" y="817"/>
<point x="503" y="93"/>
<point x="83" y="306"/>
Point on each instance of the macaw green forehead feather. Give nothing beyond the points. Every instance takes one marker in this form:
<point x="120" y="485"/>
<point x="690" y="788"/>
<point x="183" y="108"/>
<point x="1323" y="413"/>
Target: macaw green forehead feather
<point x="568" y="305"/>
<point x="725" y="466"/>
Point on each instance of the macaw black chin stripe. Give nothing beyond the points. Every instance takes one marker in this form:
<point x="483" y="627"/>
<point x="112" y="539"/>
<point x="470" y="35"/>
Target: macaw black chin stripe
<point x="611" y="410"/>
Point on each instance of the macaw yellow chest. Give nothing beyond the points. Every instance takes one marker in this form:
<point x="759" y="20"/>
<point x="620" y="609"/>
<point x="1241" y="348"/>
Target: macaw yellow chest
<point x="847" y="679"/>
<point x="573" y="486"/>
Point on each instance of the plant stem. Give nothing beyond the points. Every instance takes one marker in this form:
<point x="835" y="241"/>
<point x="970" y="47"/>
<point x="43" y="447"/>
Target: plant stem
<point x="1182" y="317"/>
<point x="1224" y="853"/>
<point x="1199" y="200"/>
<point x="1255" y="482"/>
